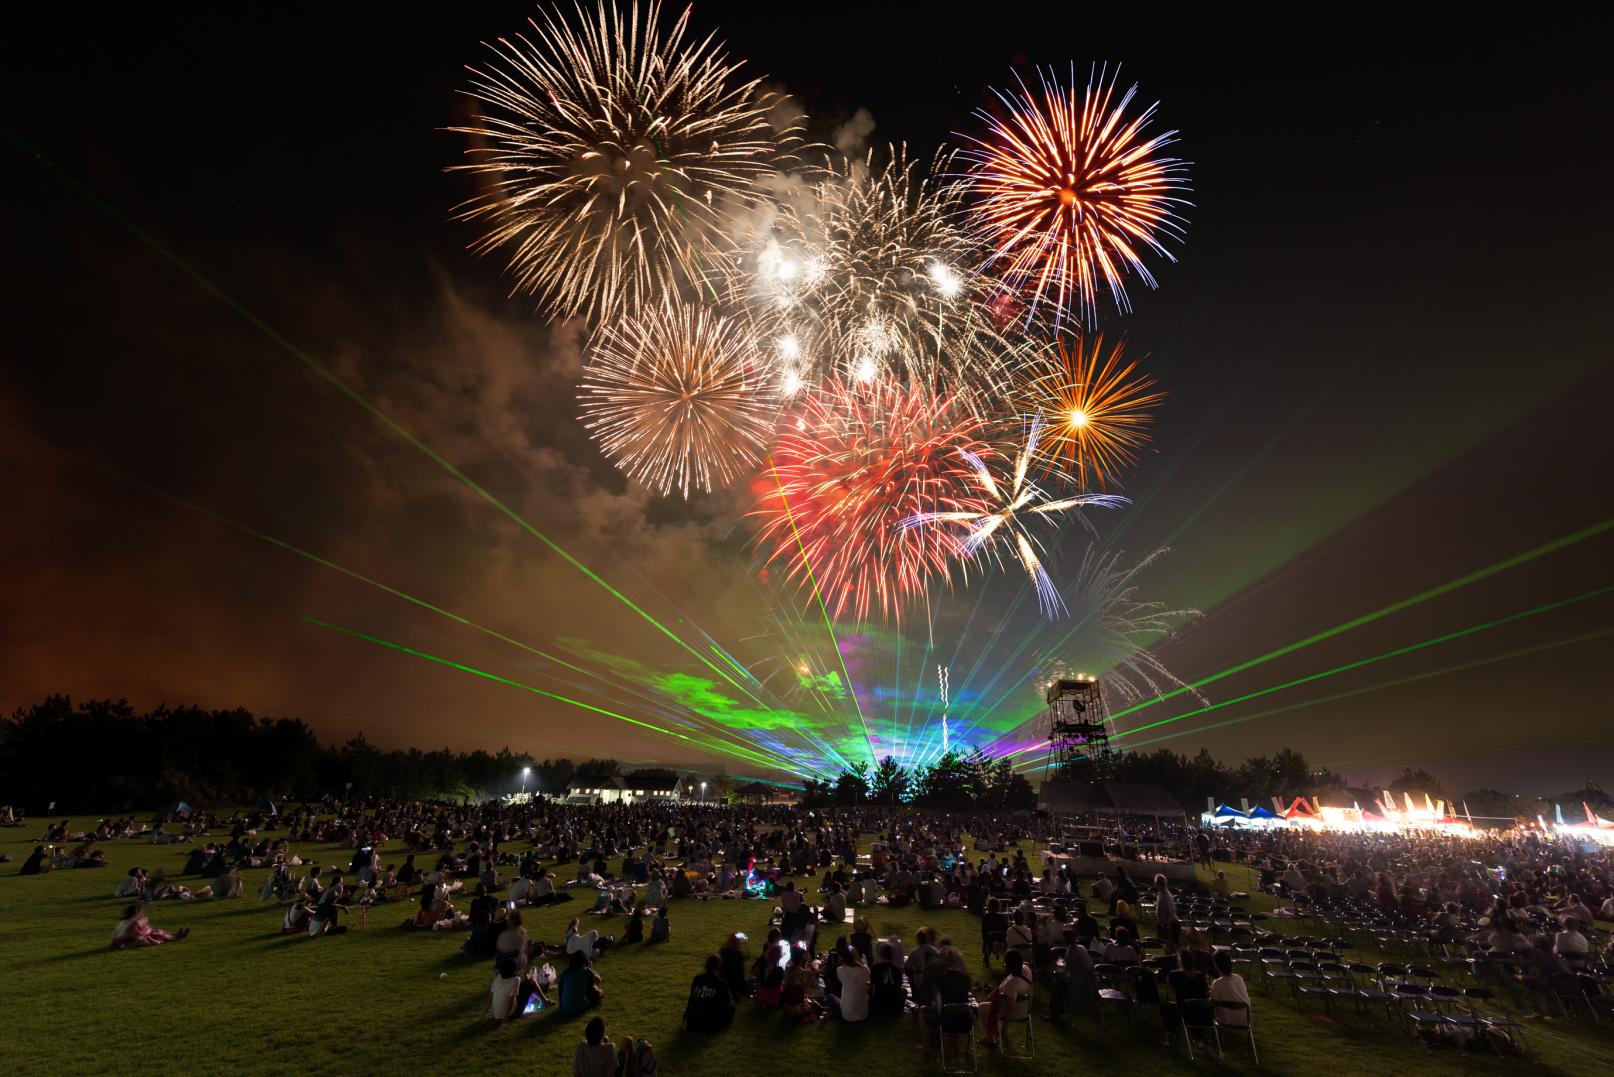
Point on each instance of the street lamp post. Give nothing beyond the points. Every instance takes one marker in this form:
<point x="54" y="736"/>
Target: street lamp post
<point x="703" y="790"/>
<point x="525" y="771"/>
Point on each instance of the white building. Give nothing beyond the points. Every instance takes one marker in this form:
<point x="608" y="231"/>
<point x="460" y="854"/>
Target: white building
<point x="596" y="789"/>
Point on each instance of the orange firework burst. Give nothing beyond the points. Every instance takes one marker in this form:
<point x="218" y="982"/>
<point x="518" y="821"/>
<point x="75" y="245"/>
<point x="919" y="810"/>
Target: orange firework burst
<point x="1070" y="192"/>
<point x="1096" y="408"/>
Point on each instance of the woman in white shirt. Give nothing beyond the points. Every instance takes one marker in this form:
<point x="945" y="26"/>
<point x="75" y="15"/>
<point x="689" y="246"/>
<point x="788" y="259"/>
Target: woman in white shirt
<point x="854" y="976"/>
<point x="1229" y="986"/>
<point x="1569" y="941"/>
<point x="1011" y="1001"/>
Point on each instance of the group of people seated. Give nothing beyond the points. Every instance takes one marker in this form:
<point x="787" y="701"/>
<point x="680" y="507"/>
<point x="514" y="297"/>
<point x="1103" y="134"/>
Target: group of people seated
<point x="597" y="1056"/>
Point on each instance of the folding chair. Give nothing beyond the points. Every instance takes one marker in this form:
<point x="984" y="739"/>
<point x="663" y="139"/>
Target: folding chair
<point x="1222" y="1011"/>
<point x="957" y="1019"/>
<point x="1198" y="1019"/>
<point x="1481" y="1024"/>
<point x="1020" y="1016"/>
<point x="1571" y="991"/>
<point x="1113" y="988"/>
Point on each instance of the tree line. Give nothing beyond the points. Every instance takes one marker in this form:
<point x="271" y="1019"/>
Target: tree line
<point x="973" y="780"/>
<point x="958" y="780"/>
<point x="105" y="756"/>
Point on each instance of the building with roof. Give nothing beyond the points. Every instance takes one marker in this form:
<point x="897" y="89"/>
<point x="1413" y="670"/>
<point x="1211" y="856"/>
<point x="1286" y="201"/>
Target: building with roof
<point x="616" y="789"/>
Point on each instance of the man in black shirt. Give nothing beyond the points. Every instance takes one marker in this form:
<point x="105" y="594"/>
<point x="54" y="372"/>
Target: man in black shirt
<point x="887" y="995"/>
<point x="711" y="1003"/>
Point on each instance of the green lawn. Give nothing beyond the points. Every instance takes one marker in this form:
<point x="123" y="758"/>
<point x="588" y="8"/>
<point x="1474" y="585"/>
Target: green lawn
<point x="240" y="996"/>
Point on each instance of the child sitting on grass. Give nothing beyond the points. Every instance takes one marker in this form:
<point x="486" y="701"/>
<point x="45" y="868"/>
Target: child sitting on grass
<point x="135" y="930"/>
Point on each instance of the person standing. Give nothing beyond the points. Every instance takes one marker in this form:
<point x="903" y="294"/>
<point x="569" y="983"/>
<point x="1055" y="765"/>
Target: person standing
<point x="1165" y="915"/>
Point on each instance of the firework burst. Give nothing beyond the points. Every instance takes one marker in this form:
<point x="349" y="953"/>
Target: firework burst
<point x="1120" y="627"/>
<point x="1012" y="504"/>
<point x="866" y="277"/>
<point x="676" y="398"/>
<point x="1097" y="407"/>
<point x="854" y="462"/>
<point x="615" y="155"/>
<point x="1070" y="193"/>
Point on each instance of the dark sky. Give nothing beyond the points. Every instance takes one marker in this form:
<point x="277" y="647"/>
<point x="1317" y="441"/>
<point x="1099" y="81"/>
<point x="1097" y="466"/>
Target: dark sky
<point x="1388" y="346"/>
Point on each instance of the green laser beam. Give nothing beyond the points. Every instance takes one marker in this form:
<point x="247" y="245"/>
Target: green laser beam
<point x="498" y="679"/>
<point x="1359" y="663"/>
<point x="352" y="574"/>
<point x="818" y="595"/>
<point x="1379" y="614"/>
<point x="1335" y="697"/>
<point x="352" y="394"/>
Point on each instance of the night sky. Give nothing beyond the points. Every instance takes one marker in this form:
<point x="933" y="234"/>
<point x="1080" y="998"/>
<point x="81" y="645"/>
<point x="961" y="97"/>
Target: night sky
<point x="1388" y="345"/>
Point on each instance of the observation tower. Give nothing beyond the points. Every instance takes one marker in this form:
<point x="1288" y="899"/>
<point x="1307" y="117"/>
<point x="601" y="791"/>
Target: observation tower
<point x="1078" y="731"/>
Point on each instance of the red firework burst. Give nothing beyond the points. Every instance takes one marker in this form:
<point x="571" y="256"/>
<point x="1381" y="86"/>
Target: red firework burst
<point x="1070" y="192"/>
<point x="849" y="467"/>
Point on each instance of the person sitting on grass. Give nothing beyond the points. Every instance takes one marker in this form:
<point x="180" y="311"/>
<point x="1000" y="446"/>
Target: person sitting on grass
<point x="854" y="976"/>
<point x="635" y="929"/>
<point x="298" y="913"/>
<point x="514" y="982"/>
<point x="588" y="943"/>
<point x="227" y="884"/>
<point x="38" y="861"/>
<point x="596" y="1055"/>
<point x="133" y="885"/>
<point x="135" y="930"/>
<point x="734" y="965"/>
<point x="579" y="987"/>
<point x="800" y="987"/>
<point x="636" y="1059"/>
<point x="887" y="997"/>
<point x="660" y="929"/>
<point x="681" y="885"/>
<point x="328" y="913"/>
<point x="918" y="960"/>
<point x="711" y="1004"/>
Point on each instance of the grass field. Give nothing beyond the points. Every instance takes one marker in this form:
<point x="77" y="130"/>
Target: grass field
<point x="239" y="996"/>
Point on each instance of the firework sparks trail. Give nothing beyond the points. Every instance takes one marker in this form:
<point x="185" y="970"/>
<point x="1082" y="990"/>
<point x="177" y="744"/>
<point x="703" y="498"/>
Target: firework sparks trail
<point x="1015" y="499"/>
<point x="616" y="156"/>
<point x="867" y="277"/>
<point x="1098" y="408"/>
<point x="855" y="461"/>
<point x="676" y="398"/>
<point x="1070" y="194"/>
<point x="1127" y="626"/>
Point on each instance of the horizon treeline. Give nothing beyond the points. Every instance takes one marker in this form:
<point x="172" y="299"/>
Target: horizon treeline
<point x="105" y="756"/>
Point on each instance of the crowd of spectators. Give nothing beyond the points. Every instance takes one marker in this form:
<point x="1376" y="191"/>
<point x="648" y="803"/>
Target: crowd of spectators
<point x="1521" y="905"/>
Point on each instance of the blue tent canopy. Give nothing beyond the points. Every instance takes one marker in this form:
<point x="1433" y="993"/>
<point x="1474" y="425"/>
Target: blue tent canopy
<point x="1259" y="812"/>
<point x="1225" y="811"/>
